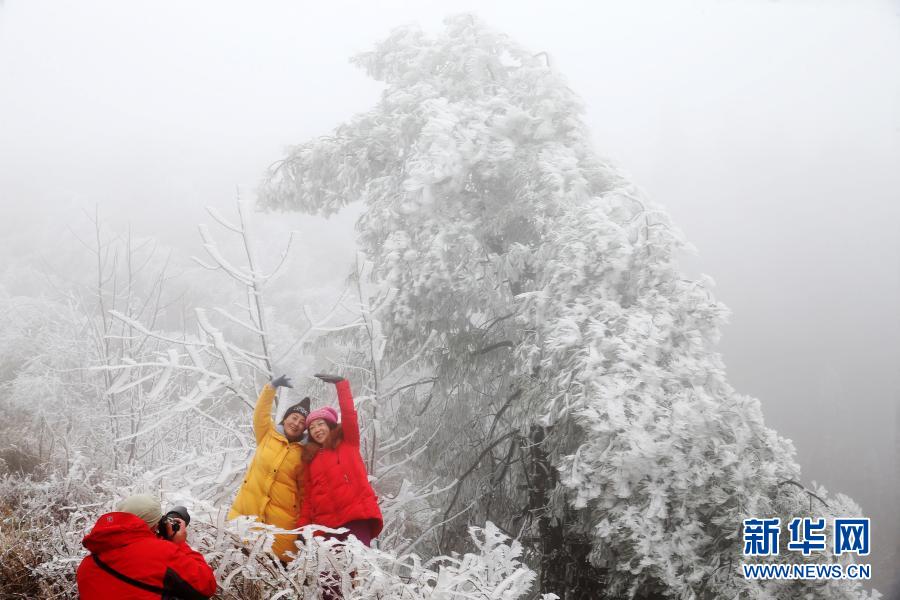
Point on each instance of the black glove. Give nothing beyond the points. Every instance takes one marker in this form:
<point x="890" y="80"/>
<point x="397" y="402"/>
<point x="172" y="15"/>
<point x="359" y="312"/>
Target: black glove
<point x="283" y="381"/>
<point x="329" y="378"/>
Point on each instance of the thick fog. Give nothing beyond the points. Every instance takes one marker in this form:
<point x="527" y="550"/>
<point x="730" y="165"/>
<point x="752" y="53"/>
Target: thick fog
<point x="769" y="130"/>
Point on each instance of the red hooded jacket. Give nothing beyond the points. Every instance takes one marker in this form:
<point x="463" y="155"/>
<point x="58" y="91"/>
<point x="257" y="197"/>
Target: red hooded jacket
<point x="126" y="544"/>
<point x="338" y="486"/>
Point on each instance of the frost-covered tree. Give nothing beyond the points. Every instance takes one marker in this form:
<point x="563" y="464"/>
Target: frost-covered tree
<point x="574" y="368"/>
<point x="195" y="391"/>
<point x="56" y="350"/>
<point x="178" y="395"/>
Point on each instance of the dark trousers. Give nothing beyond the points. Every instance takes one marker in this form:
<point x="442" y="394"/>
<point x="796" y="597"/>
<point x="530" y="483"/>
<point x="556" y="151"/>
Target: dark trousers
<point x="362" y="530"/>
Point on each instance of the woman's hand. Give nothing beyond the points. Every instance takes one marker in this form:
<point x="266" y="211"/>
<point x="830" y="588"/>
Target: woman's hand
<point x="329" y="378"/>
<point x="283" y="381"/>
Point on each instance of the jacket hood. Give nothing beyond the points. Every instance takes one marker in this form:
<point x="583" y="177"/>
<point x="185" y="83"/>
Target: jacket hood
<point x="114" y="530"/>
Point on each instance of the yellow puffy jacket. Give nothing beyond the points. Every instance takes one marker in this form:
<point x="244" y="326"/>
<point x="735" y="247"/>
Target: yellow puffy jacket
<point x="270" y="489"/>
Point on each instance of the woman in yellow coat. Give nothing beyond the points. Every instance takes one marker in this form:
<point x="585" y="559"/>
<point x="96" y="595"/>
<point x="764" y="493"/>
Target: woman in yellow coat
<point x="270" y="490"/>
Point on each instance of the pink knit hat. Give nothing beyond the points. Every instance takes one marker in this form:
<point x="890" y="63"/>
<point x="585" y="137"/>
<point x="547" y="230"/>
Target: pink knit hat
<point x="326" y="412"/>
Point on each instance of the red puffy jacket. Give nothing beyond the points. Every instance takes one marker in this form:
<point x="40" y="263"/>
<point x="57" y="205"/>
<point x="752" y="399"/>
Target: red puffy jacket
<point x="124" y="543"/>
<point x="338" y="489"/>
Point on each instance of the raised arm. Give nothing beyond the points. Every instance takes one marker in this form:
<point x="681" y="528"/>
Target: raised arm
<point x="349" y="419"/>
<point x="263" y="422"/>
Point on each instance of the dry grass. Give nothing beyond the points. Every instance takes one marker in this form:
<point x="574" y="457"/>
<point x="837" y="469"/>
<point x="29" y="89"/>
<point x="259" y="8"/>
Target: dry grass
<point x="18" y="557"/>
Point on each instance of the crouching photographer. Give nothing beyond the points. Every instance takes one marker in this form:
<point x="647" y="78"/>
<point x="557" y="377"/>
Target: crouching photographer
<point x="138" y="553"/>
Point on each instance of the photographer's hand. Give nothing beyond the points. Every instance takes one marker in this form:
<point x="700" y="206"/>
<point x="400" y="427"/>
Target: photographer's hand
<point x="180" y="536"/>
<point x="329" y="378"/>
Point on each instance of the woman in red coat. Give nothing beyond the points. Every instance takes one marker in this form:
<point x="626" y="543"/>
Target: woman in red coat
<point x="338" y="493"/>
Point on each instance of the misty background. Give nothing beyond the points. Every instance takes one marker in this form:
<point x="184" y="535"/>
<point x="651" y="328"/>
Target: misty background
<point x="770" y="131"/>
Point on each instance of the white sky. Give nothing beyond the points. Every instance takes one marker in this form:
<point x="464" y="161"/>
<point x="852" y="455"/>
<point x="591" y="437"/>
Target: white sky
<point x="770" y="130"/>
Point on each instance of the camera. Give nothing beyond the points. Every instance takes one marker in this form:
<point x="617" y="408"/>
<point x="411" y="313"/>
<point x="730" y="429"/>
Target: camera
<point x="176" y="512"/>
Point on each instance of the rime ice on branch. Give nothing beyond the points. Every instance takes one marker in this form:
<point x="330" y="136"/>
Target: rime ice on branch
<point x="578" y="395"/>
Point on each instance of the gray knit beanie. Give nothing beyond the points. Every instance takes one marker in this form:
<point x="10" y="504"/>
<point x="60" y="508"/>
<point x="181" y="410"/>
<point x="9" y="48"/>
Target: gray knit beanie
<point x="144" y="506"/>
